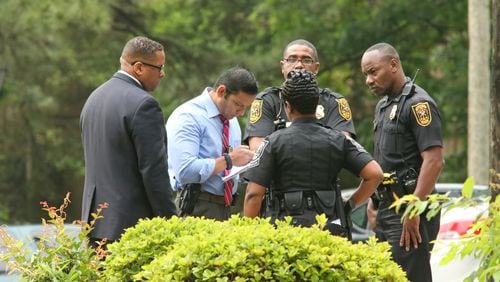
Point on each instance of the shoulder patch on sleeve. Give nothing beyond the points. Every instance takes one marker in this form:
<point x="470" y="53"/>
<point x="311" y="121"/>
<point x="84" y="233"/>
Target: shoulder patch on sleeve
<point x="256" y="157"/>
<point x="356" y="144"/>
<point x="344" y="109"/>
<point x="256" y="111"/>
<point x="422" y="113"/>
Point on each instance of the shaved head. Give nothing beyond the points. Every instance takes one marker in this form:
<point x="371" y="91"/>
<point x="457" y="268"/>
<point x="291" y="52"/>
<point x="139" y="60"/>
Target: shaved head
<point x="385" y="50"/>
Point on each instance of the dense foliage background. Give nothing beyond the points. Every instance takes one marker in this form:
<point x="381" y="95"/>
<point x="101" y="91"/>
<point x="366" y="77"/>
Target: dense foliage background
<point x="54" y="53"/>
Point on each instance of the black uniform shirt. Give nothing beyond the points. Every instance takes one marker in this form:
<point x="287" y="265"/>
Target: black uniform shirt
<point x="406" y="134"/>
<point x="306" y="156"/>
<point x="333" y="111"/>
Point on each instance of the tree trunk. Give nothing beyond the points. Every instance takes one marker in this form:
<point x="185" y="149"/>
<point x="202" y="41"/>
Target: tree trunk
<point x="495" y="103"/>
<point x="479" y="90"/>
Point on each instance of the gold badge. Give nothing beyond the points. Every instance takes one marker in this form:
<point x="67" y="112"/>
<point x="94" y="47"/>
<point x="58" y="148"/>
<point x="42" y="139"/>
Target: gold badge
<point x="394" y="109"/>
<point x="422" y="113"/>
<point x="320" y="112"/>
<point x="256" y="111"/>
<point x="344" y="109"/>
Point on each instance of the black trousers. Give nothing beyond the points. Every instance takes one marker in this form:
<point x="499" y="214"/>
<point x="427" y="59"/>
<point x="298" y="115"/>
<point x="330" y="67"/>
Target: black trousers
<point x="415" y="262"/>
<point x="209" y="206"/>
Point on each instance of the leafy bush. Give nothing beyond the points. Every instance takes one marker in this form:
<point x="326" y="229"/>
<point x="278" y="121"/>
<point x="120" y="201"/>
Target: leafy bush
<point x="194" y="249"/>
<point x="243" y="249"/>
<point x="60" y="256"/>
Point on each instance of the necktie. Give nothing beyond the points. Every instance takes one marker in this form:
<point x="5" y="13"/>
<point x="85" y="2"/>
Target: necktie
<point x="228" y="185"/>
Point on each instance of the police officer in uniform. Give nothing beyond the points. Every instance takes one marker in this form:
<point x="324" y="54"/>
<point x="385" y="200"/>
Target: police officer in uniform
<point x="267" y="113"/>
<point x="408" y="143"/>
<point x="302" y="161"/>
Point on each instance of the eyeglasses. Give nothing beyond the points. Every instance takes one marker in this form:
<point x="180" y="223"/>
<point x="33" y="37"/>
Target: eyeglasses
<point x="294" y="60"/>
<point x="160" y="68"/>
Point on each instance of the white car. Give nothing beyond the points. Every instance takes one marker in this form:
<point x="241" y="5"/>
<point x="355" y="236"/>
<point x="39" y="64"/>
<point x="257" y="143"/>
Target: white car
<point x="30" y="235"/>
<point x="455" y="223"/>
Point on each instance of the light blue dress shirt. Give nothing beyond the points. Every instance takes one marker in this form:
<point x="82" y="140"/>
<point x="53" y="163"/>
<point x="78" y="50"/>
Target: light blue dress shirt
<point x="194" y="132"/>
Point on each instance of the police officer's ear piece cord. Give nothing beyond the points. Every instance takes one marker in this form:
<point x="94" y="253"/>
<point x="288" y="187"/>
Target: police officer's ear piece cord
<point x="406" y="91"/>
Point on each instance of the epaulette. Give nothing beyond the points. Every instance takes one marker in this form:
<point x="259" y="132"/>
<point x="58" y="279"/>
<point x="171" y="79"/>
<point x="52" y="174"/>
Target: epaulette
<point x="328" y="91"/>
<point x="325" y="126"/>
<point x="267" y="91"/>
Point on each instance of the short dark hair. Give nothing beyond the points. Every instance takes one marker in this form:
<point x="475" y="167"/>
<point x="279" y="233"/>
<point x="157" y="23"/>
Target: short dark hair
<point x="301" y="91"/>
<point x="238" y="79"/>
<point x="385" y="49"/>
<point x="302" y="42"/>
<point x="139" y="48"/>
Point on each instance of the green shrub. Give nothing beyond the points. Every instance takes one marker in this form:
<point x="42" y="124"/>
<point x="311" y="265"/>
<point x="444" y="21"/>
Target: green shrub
<point x="148" y="239"/>
<point x="243" y="249"/>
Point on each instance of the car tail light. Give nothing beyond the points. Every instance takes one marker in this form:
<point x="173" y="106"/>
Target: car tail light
<point x="456" y="229"/>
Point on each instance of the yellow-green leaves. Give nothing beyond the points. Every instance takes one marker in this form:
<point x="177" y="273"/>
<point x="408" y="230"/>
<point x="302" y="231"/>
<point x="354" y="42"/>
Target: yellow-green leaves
<point x="243" y="249"/>
<point x="468" y="188"/>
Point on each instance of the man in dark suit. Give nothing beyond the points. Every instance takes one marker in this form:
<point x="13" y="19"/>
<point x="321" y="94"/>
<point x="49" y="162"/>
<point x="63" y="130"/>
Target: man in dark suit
<point x="124" y="143"/>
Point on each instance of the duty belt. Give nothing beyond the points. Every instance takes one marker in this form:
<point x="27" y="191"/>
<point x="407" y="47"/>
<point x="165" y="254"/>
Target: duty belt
<point x="295" y="202"/>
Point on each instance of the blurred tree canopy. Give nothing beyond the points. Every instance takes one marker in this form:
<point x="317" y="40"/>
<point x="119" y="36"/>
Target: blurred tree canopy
<point x="56" y="52"/>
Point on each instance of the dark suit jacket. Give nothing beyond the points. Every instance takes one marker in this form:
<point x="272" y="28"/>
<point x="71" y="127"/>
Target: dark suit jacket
<point x="124" y="139"/>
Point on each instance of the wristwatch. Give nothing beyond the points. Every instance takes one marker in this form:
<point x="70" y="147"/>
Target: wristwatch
<point x="229" y="162"/>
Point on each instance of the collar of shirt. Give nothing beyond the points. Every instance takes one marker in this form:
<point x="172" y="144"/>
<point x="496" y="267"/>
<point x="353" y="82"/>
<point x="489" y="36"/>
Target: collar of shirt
<point x="127" y="74"/>
<point x="387" y="101"/>
<point x="209" y="104"/>
<point x="395" y="99"/>
<point x="305" y="120"/>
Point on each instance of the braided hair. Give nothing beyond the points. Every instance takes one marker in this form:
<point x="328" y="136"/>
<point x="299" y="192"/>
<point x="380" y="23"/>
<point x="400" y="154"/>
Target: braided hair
<point x="301" y="91"/>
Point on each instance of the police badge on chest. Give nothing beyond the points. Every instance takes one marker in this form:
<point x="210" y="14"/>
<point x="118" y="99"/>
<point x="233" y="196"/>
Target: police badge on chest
<point x="392" y="114"/>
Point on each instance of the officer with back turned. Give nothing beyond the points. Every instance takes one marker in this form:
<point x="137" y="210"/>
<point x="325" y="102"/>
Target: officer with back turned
<point x="302" y="161"/>
<point x="408" y="144"/>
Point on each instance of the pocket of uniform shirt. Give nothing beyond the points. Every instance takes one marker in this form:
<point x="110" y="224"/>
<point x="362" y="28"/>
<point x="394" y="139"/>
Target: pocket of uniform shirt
<point x="389" y="139"/>
<point x="391" y="128"/>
